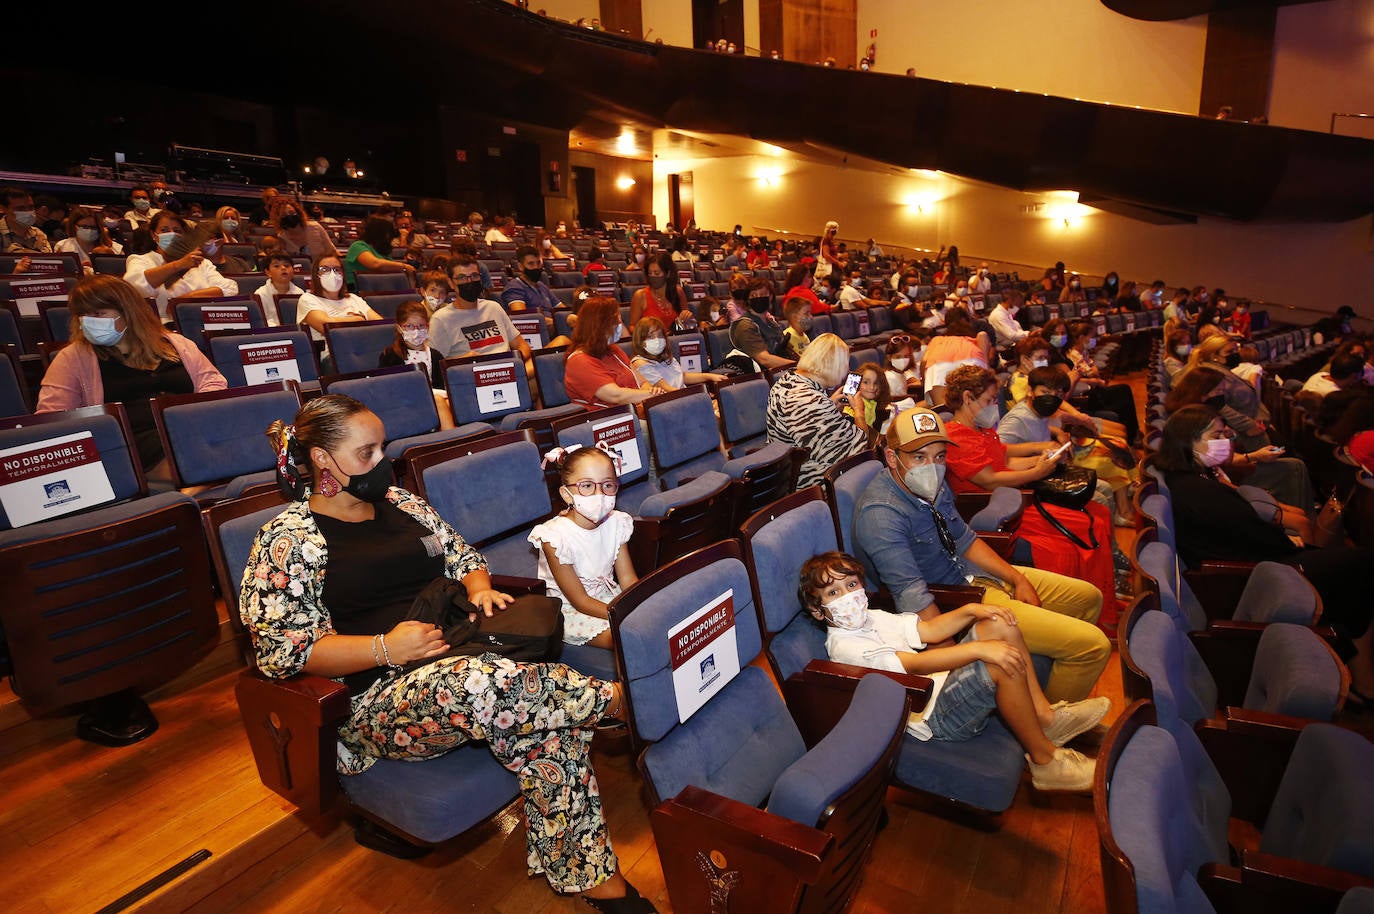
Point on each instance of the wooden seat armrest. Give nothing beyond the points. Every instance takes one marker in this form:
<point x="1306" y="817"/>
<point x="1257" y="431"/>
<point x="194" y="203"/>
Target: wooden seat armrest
<point x="1221" y="566"/>
<point x="819" y="695"/>
<point x="1285" y="884"/>
<point x="292" y="727"/>
<point x="1250" y="750"/>
<point x="518" y="586"/>
<point x="1228" y="650"/>
<point x="952" y="596"/>
<point x="697" y="821"/>
<point x="1271" y="726"/>
<point x="1000" y="543"/>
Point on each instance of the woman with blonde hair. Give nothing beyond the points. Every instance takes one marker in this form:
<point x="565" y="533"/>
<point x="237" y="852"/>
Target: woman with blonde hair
<point x="120" y="353"/>
<point x="802" y="411"/>
<point x="227" y="218"/>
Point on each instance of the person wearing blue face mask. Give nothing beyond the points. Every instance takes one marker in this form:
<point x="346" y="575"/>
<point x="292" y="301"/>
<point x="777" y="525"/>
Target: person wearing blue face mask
<point x="19" y="232"/>
<point x="119" y="353"/>
<point x="188" y="276"/>
<point x="86" y="236"/>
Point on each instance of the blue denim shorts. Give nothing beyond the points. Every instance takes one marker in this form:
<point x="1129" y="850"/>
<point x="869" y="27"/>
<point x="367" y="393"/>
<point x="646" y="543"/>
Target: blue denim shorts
<point x="968" y="699"/>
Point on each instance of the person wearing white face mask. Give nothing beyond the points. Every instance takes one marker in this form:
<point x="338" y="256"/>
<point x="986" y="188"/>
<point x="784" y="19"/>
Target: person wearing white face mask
<point x="86" y="236"/>
<point x="188" y="276"/>
<point x="119" y="352"/>
<point x="19" y="232"/>
<point x="652" y="358"/>
<point x="908" y="535"/>
<point x="328" y="302"/>
<point x="980" y="283"/>
<point x="976" y="658"/>
<point x="583" y="558"/>
<point x="1214" y="521"/>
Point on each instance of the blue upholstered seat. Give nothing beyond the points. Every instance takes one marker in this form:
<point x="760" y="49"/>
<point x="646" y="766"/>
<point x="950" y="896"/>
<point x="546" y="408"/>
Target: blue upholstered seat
<point x="214" y="438"/>
<point x="846" y="486"/>
<point x="190" y="316"/>
<point x="1003" y="504"/>
<point x="401" y="398"/>
<point x="225" y="353"/>
<point x="357" y="346"/>
<point x="744" y="414"/>
<point x="635" y="485"/>
<point x="462" y="391"/>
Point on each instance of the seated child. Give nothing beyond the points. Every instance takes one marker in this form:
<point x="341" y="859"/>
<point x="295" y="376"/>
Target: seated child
<point x="975" y="656"/>
<point x="582" y="554"/>
<point x="874" y="397"/>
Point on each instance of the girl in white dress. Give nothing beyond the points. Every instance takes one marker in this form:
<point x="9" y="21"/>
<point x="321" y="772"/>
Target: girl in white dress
<point x="582" y="554"/>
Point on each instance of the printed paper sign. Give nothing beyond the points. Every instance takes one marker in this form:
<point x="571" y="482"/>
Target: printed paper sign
<point x="1130" y="323"/>
<point x="219" y="317"/>
<point x="1052" y="311"/>
<point x="979" y="303"/>
<point x="697" y="290"/>
<point x="496" y="389"/>
<point x="498" y="283"/>
<point x="619" y="436"/>
<point x="49" y="266"/>
<point x="685" y="275"/>
<point x="46" y="479"/>
<point x="703" y="654"/>
<point x="531" y="328"/>
<point x="861" y="319"/>
<point x="1100" y="325"/>
<point x="28" y="293"/>
<point x="1082" y="309"/>
<point x="274" y="360"/>
<point x="689" y="354"/>
<point x="560" y="266"/>
<point x="605" y="280"/>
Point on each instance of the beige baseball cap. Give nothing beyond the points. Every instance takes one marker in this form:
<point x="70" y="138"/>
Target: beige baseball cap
<point x="914" y="428"/>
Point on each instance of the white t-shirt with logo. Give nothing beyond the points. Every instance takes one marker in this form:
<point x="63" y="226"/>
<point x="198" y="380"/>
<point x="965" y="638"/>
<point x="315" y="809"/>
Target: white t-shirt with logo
<point x="483" y="330"/>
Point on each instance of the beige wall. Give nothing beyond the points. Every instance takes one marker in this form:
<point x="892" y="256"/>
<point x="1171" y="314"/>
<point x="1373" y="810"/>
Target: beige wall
<point x="1070" y="48"/>
<point x="571" y="10"/>
<point x="670" y="20"/>
<point x="1324" y="63"/>
<point x="1313" y="266"/>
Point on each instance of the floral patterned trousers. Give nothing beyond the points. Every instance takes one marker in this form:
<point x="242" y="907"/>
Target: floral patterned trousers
<point x="538" y="720"/>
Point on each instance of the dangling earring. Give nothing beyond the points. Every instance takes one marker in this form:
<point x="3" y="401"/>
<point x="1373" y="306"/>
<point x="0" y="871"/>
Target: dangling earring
<point x="329" y="486"/>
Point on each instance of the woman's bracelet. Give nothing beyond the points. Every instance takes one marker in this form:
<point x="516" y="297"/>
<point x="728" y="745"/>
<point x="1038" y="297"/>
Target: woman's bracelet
<point x="377" y="659"/>
<point x="385" y="653"/>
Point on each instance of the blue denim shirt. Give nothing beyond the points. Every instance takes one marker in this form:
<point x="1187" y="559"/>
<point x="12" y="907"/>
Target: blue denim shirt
<point x="897" y="542"/>
<point x="537" y="296"/>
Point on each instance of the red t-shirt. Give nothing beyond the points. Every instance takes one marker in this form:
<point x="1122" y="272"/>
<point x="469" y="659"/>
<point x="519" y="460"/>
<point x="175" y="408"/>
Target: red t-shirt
<point x="657" y="307"/>
<point x="594" y="268"/>
<point x="585" y="375"/>
<point x="973" y="449"/>
<point x="817" y="306"/>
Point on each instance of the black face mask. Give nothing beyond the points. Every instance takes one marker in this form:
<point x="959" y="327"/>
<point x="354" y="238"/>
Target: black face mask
<point x="759" y="303"/>
<point x="469" y="291"/>
<point x="1215" y="403"/>
<point x="1046" y="405"/>
<point x="533" y="276"/>
<point x="291" y="221"/>
<point x="372" y="485"/>
<point x="658" y="282"/>
<point x="1233" y="360"/>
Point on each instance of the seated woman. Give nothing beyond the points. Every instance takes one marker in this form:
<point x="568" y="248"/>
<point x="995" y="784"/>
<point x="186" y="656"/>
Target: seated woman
<point x="1177" y="347"/>
<point x="188" y="276"/>
<point x="583" y="556"/>
<point x="959" y="345"/>
<point x="976" y="658"/>
<point x="328" y="302"/>
<point x="654" y="362"/>
<point x="297" y="234"/>
<point x="796" y="310"/>
<point x="980" y="462"/>
<point x="227" y="221"/>
<point x="663" y="297"/>
<point x="710" y="314"/>
<point x="120" y="353"/>
<point x="411" y="347"/>
<point x="598" y="373"/>
<point x="803" y="413"/>
<point x="1102" y="397"/>
<point x="327" y="590"/>
<point x="86" y="236"/>
<point x="1212" y="520"/>
<point x="1073" y="290"/>
<point x="371" y="253"/>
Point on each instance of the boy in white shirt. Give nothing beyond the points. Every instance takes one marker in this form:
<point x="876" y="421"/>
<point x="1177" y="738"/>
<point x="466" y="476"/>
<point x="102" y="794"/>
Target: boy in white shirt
<point x="974" y="655"/>
<point x="280" y="271"/>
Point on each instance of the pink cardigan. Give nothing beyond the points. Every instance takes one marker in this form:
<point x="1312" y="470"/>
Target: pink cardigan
<point x="73" y="378"/>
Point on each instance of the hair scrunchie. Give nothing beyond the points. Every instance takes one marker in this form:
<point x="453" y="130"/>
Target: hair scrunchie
<point x="290" y="481"/>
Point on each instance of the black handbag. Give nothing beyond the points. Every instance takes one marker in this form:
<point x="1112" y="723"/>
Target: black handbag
<point x="529" y="629"/>
<point x="1068" y="487"/>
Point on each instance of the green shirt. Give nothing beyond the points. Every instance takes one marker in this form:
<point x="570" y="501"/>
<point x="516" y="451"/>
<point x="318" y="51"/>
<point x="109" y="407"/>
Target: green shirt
<point x="356" y="250"/>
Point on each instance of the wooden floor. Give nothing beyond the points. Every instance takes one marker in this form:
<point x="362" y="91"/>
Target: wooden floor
<point x="81" y="825"/>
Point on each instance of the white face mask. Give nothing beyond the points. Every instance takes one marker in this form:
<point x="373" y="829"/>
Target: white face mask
<point x="415" y="338"/>
<point x="987" y="416"/>
<point x="332" y="282"/>
<point x="434" y="302"/>
<point x="961" y="291"/>
<point x="849" y="611"/>
<point x="655" y="345"/>
<point x="615" y="335"/>
<point x="100" y="331"/>
<point x="88" y="235"/>
<point x="900" y="363"/>
<point x="1214" y="452"/>
<point x="595" y="508"/>
<point x="1039" y="363"/>
<point x="924" y="480"/>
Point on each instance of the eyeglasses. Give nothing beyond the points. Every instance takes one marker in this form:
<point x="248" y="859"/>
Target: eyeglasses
<point x="898" y="338"/>
<point x="325" y="271"/>
<point x="588" y="487"/>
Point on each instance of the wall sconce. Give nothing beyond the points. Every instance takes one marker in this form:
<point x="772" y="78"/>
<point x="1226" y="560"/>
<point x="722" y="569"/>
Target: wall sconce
<point x="624" y="182"/>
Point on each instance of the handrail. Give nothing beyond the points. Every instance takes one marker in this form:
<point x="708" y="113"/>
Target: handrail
<point x="1336" y="114"/>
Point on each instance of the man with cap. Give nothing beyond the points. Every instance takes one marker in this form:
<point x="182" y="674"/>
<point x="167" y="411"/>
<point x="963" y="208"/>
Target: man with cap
<point x="908" y="534"/>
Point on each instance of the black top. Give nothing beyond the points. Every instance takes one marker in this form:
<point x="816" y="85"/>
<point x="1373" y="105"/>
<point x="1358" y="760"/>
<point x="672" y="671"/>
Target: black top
<point x="376" y="570"/>
<point x="1214" y="521"/>
<point x="389" y="359"/>
<point x="134" y="387"/>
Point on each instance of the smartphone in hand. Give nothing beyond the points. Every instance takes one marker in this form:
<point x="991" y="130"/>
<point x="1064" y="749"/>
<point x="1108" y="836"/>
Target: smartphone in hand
<point x="851" y="385"/>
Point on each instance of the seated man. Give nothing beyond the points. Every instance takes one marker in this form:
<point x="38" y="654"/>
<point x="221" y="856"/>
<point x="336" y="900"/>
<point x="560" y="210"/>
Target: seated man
<point x="19" y="231"/>
<point x="1345" y="371"/>
<point x="473" y="325"/>
<point x="907" y="534"/>
<point x="528" y="291"/>
<point x="976" y="659"/>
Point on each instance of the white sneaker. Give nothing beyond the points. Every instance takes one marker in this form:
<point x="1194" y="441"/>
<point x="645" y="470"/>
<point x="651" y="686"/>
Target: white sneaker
<point x="1068" y="770"/>
<point x="1073" y="718"/>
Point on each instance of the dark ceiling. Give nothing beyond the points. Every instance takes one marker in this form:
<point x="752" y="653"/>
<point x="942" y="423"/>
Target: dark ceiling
<point x="1163" y="10"/>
